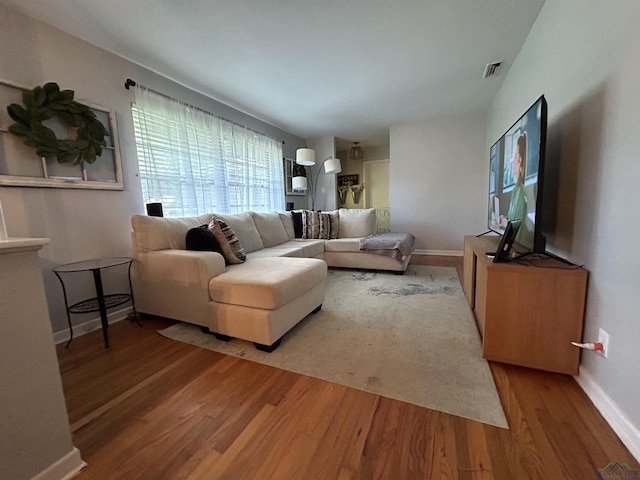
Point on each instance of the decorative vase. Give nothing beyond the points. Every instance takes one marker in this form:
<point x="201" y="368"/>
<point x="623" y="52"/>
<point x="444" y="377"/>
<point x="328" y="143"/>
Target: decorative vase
<point x="342" y="193"/>
<point x="356" y="192"/>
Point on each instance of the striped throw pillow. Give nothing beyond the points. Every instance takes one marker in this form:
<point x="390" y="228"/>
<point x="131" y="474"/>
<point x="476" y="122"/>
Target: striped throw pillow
<point x="232" y="251"/>
<point x="319" y="225"/>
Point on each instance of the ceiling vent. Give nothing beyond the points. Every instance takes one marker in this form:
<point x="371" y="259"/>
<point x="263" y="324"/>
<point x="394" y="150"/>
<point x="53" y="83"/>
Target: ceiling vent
<point x="491" y="69"/>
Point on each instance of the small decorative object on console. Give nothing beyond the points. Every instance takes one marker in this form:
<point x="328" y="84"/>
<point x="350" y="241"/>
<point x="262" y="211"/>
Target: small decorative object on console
<point x="506" y="242"/>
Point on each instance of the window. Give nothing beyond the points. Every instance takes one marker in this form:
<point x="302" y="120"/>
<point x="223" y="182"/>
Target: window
<point x="195" y="162"/>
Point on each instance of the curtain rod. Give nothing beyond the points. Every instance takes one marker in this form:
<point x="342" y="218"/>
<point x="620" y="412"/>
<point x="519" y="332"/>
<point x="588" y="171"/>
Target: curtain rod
<point x="132" y="83"/>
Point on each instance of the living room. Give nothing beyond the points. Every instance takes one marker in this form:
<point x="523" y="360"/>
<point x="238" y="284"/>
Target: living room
<point x="580" y="55"/>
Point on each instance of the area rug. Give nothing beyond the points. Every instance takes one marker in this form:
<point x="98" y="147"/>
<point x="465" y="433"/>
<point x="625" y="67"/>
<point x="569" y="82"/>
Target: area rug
<point x="408" y="337"/>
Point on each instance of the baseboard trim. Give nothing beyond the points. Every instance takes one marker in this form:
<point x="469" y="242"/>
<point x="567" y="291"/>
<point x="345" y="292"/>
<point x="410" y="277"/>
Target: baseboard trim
<point x="64" y="469"/>
<point x="441" y="253"/>
<point x="90" y="325"/>
<point x="620" y="424"/>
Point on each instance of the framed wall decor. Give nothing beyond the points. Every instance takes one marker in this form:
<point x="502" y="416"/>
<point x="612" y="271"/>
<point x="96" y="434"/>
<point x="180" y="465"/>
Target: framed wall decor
<point x="21" y="166"/>
<point x="346" y="180"/>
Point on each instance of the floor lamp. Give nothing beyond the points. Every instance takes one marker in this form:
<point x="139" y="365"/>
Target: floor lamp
<point x="307" y="157"/>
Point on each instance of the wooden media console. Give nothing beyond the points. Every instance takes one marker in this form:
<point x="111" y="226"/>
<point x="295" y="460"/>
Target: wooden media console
<point x="528" y="311"/>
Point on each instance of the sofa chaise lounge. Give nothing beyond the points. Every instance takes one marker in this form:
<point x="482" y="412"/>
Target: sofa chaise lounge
<point x="279" y="284"/>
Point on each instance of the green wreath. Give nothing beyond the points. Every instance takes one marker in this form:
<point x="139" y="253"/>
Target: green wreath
<point x="43" y="103"/>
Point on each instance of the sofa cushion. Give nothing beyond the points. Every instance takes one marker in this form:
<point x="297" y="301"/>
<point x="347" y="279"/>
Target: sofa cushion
<point x="287" y="223"/>
<point x="358" y="222"/>
<point x="342" y="245"/>
<point x="202" y="239"/>
<point x="267" y="283"/>
<point x="293" y="248"/>
<point x="270" y="228"/>
<point x="319" y="225"/>
<point x="310" y="248"/>
<point x="162" y="233"/>
<point x="229" y="244"/>
<point x="245" y="229"/>
<point x="282" y="250"/>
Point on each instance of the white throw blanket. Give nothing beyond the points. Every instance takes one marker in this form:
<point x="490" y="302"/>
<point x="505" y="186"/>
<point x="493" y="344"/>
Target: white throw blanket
<point x="395" y="245"/>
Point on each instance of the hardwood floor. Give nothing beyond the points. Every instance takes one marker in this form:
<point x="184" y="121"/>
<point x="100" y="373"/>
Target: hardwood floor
<point x="153" y="408"/>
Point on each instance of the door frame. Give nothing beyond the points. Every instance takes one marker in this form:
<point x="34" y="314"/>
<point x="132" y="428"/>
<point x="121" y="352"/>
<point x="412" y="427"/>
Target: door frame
<point x="365" y="175"/>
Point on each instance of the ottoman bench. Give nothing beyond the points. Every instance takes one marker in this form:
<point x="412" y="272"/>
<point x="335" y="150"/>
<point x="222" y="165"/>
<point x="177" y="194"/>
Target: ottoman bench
<point x="263" y="298"/>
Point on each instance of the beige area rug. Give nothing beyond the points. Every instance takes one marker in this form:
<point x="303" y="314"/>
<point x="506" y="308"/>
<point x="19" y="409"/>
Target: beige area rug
<point x="410" y="338"/>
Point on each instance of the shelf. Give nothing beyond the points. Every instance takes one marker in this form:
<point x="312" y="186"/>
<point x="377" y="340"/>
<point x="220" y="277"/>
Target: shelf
<point x="91" y="305"/>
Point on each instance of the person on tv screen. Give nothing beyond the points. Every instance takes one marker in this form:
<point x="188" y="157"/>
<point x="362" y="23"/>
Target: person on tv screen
<point x="518" y="202"/>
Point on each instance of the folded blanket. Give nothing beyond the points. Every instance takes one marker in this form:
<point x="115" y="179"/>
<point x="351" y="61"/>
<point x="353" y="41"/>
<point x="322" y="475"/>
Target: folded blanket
<point x="395" y="245"/>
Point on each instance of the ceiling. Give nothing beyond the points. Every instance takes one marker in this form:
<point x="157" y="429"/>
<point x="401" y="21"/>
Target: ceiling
<point x="344" y="68"/>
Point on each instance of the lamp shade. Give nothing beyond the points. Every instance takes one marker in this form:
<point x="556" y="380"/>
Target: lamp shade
<point x="356" y="152"/>
<point x="332" y="165"/>
<point x="299" y="183"/>
<point x="306" y="156"/>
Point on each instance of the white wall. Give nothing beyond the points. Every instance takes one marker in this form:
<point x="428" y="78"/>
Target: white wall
<point x="583" y="56"/>
<point x="85" y="224"/>
<point x="33" y="416"/>
<point x="438" y="180"/>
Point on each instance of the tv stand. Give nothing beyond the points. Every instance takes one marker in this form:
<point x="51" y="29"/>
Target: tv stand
<point x="526" y="314"/>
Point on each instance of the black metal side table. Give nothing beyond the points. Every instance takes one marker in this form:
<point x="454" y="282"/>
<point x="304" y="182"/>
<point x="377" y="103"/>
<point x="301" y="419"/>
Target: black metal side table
<point x="101" y="302"/>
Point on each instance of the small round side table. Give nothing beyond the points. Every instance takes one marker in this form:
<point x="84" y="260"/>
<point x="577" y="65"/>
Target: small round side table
<point x="101" y="302"/>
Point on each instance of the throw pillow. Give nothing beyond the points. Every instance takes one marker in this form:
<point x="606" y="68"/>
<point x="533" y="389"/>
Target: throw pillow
<point x="310" y="224"/>
<point x="202" y="239"/>
<point x="318" y="225"/>
<point x="245" y="229"/>
<point x="334" y="224"/>
<point x="297" y="224"/>
<point x="232" y="251"/>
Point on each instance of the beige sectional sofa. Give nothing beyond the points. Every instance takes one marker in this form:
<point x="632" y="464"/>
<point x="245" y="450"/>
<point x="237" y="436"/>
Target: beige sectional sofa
<point x="279" y="284"/>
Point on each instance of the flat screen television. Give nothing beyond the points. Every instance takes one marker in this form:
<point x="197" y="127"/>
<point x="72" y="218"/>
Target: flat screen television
<point x="516" y="175"/>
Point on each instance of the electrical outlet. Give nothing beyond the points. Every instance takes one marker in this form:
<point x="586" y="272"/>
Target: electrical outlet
<point x="603" y="338"/>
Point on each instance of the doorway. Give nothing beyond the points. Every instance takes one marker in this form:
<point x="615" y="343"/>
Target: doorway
<point x="376" y="193"/>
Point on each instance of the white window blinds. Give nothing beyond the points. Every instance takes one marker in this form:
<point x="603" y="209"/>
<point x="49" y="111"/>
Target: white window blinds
<point x="194" y="162"/>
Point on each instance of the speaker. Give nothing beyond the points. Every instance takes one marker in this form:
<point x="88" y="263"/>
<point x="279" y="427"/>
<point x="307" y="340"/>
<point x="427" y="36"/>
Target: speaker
<point x="289" y="206"/>
<point x="154" y="210"/>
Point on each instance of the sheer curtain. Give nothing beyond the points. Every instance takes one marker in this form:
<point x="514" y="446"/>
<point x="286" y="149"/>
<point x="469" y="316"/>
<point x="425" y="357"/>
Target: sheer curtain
<point x="195" y="162"/>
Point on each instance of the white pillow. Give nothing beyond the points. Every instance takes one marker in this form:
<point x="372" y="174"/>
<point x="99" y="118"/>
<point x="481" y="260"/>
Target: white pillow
<point x="357" y="222"/>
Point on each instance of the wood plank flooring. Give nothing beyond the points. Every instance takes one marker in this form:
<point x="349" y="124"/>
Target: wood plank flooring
<point x="153" y="408"/>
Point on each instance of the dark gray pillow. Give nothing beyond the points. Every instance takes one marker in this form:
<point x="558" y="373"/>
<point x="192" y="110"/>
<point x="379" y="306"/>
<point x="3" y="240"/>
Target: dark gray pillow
<point x="297" y="224"/>
<point x="202" y="239"/>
